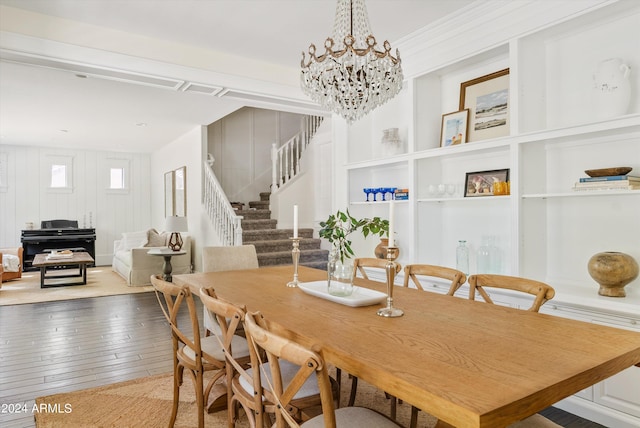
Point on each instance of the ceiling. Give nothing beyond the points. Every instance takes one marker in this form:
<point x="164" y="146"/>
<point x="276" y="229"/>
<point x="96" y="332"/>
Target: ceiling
<point x="47" y="104"/>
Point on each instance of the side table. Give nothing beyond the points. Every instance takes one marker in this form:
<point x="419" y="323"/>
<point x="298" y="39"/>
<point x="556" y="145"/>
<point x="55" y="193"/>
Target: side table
<point x="166" y="253"/>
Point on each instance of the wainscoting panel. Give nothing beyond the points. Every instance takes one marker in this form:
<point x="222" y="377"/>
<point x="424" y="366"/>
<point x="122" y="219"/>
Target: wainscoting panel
<point x="27" y="195"/>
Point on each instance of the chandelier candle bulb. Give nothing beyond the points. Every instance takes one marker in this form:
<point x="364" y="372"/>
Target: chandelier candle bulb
<point x="391" y="221"/>
<point x="295" y="221"/>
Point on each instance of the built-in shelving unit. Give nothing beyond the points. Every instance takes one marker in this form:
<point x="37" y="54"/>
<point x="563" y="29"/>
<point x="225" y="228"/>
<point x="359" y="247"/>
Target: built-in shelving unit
<point x="544" y="229"/>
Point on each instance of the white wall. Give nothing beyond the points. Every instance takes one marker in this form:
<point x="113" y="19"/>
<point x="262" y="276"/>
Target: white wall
<point x="26" y="197"/>
<point x="241" y="145"/>
<point x="185" y="151"/>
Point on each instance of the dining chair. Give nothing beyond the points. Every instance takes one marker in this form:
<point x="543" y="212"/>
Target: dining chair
<point x="359" y="266"/>
<point x="411" y="272"/>
<point x="192" y="352"/>
<point x="361" y="263"/>
<point x="222" y="258"/>
<point x="541" y="291"/>
<point x="229" y="257"/>
<point x="246" y="379"/>
<point x="456" y="277"/>
<point x="278" y="348"/>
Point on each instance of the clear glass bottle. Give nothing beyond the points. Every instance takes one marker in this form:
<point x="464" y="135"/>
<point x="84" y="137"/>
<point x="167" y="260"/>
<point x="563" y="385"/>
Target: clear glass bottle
<point x="483" y="257"/>
<point x="462" y="257"/>
<point x="488" y="258"/>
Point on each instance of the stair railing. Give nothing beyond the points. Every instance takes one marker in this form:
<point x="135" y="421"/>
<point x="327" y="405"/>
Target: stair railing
<point x="222" y="215"/>
<point x="285" y="160"/>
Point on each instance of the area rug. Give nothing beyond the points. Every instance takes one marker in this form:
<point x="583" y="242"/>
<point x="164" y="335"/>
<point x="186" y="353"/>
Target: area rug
<point x="146" y="402"/>
<point x="101" y="281"/>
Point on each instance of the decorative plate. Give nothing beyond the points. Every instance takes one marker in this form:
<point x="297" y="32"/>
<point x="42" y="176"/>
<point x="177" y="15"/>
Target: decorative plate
<point x="360" y="297"/>
<point x="621" y="170"/>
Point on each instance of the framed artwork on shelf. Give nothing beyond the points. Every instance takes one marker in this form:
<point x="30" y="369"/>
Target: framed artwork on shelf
<point x="487" y="98"/>
<point x="481" y="183"/>
<point x="454" y="128"/>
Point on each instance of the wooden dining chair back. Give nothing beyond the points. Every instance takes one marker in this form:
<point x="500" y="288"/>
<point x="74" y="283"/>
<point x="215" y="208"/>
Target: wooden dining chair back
<point x="541" y="291"/>
<point x="456" y="277"/>
<point x="359" y="266"/>
<point x="278" y="348"/>
<point x="229" y="257"/>
<point x="239" y="358"/>
<point x="190" y="351"/>
<point x="361" y="263"/>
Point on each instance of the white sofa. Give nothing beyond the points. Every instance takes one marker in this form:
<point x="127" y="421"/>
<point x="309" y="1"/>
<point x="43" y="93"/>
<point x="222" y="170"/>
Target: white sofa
<point x="131" y="261"/>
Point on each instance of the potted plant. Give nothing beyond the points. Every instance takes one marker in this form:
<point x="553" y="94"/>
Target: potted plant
<point x="337" y="228"/>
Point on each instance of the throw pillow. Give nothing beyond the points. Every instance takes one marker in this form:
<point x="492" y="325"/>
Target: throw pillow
<point x="155" y="239"/>
<point x="10" y="263"/>
<point x="134" y="240"/>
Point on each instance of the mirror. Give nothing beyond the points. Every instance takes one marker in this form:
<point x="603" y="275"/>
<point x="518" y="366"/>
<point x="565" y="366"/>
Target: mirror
<point x="180" y="200"/>
<point x="168" y="194"/>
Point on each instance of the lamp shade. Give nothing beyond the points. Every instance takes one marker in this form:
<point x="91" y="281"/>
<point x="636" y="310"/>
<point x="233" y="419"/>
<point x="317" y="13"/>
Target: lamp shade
<point x="176" y="224"/>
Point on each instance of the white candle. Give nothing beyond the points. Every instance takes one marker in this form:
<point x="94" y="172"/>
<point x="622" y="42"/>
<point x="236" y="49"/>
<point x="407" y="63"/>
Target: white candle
<point x="295" y="221"/>
<point x="391" y="221"/>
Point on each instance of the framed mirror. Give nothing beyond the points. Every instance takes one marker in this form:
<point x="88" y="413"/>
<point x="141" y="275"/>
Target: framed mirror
<point x="180" y="192"/>
<point x="168" y="193"/>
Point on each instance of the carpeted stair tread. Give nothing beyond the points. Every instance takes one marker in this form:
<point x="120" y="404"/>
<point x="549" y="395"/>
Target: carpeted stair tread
<point x="254" y="214"/>
<point x="315" y="265"/>
<point x="251" y="236"/>
<point x="261" y="205"/>
<point x="273" y="245"/>
<point x="260" y="224"/>
<point x="265" y="196"/>
<point x="277" y="245"/>
<point x="284" y="257"/>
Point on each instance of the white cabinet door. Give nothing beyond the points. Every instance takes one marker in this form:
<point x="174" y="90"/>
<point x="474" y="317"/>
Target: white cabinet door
<point x="620" y="392"/>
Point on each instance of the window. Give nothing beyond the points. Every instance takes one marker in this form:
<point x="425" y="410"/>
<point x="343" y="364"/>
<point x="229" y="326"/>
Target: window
<point x="58" y="176"/>
<point x="117" y="178"/>
<point x="59" y="173"/>
<point x="116" y="175"/>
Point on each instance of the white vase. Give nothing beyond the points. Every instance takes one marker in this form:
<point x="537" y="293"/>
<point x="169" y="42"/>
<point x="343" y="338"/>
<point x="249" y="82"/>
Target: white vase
<point x="612" y="88"/>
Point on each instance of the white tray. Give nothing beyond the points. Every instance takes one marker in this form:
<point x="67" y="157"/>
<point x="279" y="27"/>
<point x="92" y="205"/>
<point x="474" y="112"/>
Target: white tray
<point x="360" y="296"/>
<point x="59" y="256"/>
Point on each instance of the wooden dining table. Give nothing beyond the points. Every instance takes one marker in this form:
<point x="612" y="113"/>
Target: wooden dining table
<point x="469" y="363"/>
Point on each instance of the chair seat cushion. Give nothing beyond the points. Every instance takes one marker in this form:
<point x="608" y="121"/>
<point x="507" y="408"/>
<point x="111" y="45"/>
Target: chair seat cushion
<point x="535" y="421"/>
<point x="211" y="345"/>
<point x="288" y="371"/>
<point x="353" y="417"/>
<point x="10" y="263"/>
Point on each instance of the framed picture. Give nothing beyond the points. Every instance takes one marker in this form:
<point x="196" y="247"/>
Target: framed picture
<point x="454" y="128"/>
<point x="481" y="183"/>
<point x="487" y="99"/>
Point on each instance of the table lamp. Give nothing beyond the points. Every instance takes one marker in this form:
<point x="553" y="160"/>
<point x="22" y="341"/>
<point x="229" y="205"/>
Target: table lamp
<point x="175" y="225"/>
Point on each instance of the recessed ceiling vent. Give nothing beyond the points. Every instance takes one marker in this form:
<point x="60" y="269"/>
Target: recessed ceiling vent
<point x="201" y="88"/>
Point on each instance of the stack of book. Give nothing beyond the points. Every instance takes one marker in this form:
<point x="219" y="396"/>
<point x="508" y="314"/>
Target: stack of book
<point x="609" y="182"/>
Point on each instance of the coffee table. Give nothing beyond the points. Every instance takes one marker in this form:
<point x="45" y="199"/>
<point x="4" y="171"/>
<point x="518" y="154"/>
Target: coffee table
<point x="44" y="261"/>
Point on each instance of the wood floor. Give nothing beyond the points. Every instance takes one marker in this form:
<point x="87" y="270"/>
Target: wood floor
<point x="48" y="348"/>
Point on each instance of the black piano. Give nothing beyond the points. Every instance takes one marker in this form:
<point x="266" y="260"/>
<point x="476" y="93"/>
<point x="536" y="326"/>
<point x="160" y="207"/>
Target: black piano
<point x="56" y="235"/>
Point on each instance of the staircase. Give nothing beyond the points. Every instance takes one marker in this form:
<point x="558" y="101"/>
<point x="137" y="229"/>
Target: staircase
<point x="273" y="245"/>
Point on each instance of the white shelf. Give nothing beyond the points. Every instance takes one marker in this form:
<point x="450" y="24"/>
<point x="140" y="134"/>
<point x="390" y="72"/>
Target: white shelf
<point x="463" y="199"/>
<point x="581" y="194"/>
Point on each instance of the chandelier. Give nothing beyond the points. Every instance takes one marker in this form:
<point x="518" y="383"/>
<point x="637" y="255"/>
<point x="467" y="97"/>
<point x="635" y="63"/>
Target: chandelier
<point x="352" y="77"/>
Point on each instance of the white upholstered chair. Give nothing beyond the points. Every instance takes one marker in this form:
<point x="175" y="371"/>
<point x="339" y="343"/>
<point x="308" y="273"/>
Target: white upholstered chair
<point x="222" y="258"/>
<point x="216" y="259"/>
